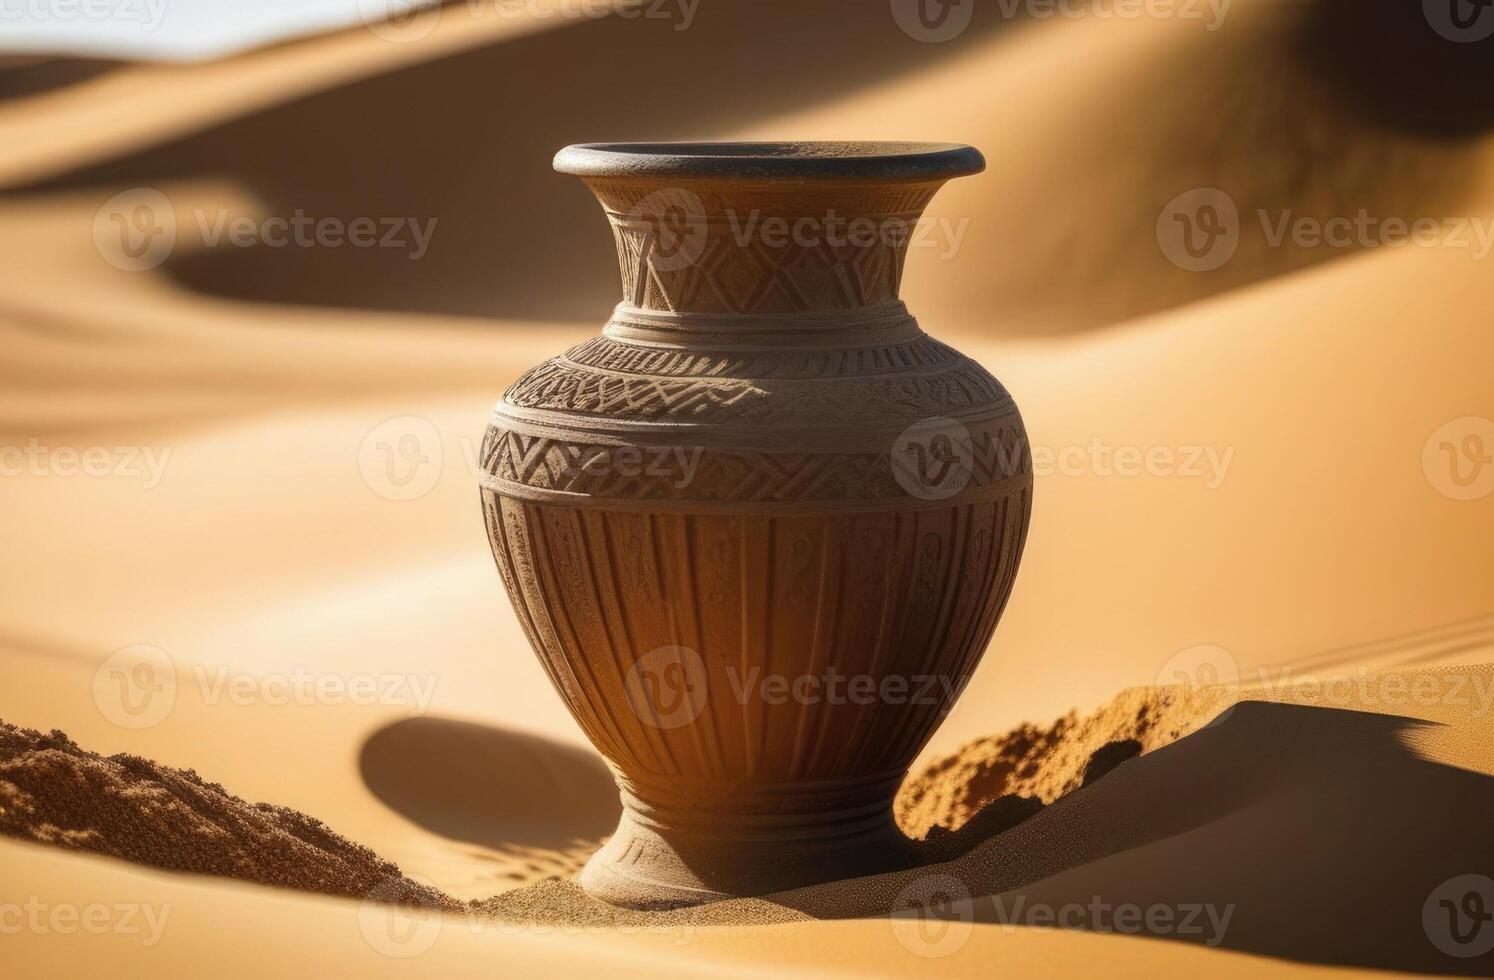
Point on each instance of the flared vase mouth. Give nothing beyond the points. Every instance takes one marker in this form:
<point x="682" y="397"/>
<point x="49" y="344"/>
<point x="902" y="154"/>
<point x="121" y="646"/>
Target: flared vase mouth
<point x="826" y="160"/>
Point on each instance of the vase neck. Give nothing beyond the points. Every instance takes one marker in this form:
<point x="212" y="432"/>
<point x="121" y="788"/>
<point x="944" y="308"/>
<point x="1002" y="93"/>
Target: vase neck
<point x="885" y="324"/>
<point x="795" y="250"/>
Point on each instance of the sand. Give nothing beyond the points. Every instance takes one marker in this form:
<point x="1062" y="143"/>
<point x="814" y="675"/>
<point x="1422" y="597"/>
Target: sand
<point x="123" y="806"/>
<point x="1326" y="552"/>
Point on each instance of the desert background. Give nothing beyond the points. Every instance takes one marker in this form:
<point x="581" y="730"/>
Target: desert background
<point x="242" y="536"/>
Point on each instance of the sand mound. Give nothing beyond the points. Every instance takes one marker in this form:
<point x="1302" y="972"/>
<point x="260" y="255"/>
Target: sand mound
<point x="53" y="792"/>
<point x="1045" y="763"/>
<point x="1246" y="775"/>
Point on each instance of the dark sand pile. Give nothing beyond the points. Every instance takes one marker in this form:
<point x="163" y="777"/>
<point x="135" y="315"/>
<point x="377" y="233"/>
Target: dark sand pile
<point x="1043" y="763"/>
<point x="53" y="792"/>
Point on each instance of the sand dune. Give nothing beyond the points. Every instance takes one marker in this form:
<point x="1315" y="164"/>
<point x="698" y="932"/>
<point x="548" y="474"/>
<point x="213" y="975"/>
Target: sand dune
<point x="271" y="544"/>
<point x="1276" y="132"/>
<point x="1324" y="782"/>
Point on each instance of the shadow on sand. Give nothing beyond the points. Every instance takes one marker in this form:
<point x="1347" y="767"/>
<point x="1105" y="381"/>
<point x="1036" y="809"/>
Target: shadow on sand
<point x="1312" y="834"/>
<point x="490" y="786"/>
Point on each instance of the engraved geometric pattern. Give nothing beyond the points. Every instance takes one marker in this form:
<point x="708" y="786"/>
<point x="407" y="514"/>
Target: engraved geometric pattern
<point x="514" y="460"/>
<point x="736" y="267"/>
<point x="858" y="361"/>
<point x="562" y="385"/>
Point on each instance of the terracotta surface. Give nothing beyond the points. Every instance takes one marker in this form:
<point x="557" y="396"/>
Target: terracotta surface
<point x="761" y="530"/>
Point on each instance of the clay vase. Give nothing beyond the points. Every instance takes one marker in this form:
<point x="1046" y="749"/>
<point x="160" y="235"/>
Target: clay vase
<point x="760" y="530"/>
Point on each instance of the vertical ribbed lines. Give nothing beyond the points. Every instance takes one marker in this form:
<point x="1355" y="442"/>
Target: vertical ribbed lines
<point x="880" y="649"/>
<point x="603" y="575"/>
<point x="591" y="696"/>
<point x="826" y="599"/>
<point x="896" y="594"/>
<point x="934" y="661"/>
<point x="625" y="600"/>
<point x="677" y="572"/>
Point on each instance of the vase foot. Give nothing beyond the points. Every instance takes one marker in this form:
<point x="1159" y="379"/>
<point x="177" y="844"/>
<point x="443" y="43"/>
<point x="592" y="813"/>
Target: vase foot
<point x="645" y="866"/>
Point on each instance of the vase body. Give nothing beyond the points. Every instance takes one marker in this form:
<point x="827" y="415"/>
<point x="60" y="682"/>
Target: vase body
<point x="759" y="531"/>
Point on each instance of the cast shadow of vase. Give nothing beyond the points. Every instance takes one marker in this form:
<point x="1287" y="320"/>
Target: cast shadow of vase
<point x="1313" y="834"/>
<point x="493" y="787"/>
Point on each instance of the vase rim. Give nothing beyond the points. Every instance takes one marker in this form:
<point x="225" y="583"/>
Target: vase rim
<point x="783" y="160"/>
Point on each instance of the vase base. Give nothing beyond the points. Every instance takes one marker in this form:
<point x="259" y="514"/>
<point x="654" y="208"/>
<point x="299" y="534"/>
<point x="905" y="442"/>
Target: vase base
<point x="643" y="867"/>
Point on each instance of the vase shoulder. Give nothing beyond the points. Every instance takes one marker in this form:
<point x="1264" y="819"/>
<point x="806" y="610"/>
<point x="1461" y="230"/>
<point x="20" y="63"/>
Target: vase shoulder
<point x="872" y="383"/>
<point x="775" y="411"/>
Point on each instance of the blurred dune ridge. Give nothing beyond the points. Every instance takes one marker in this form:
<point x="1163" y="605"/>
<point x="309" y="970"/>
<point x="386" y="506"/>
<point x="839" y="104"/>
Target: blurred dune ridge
<point x="1261" y="111"/>
<point x="270" y="381"/>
